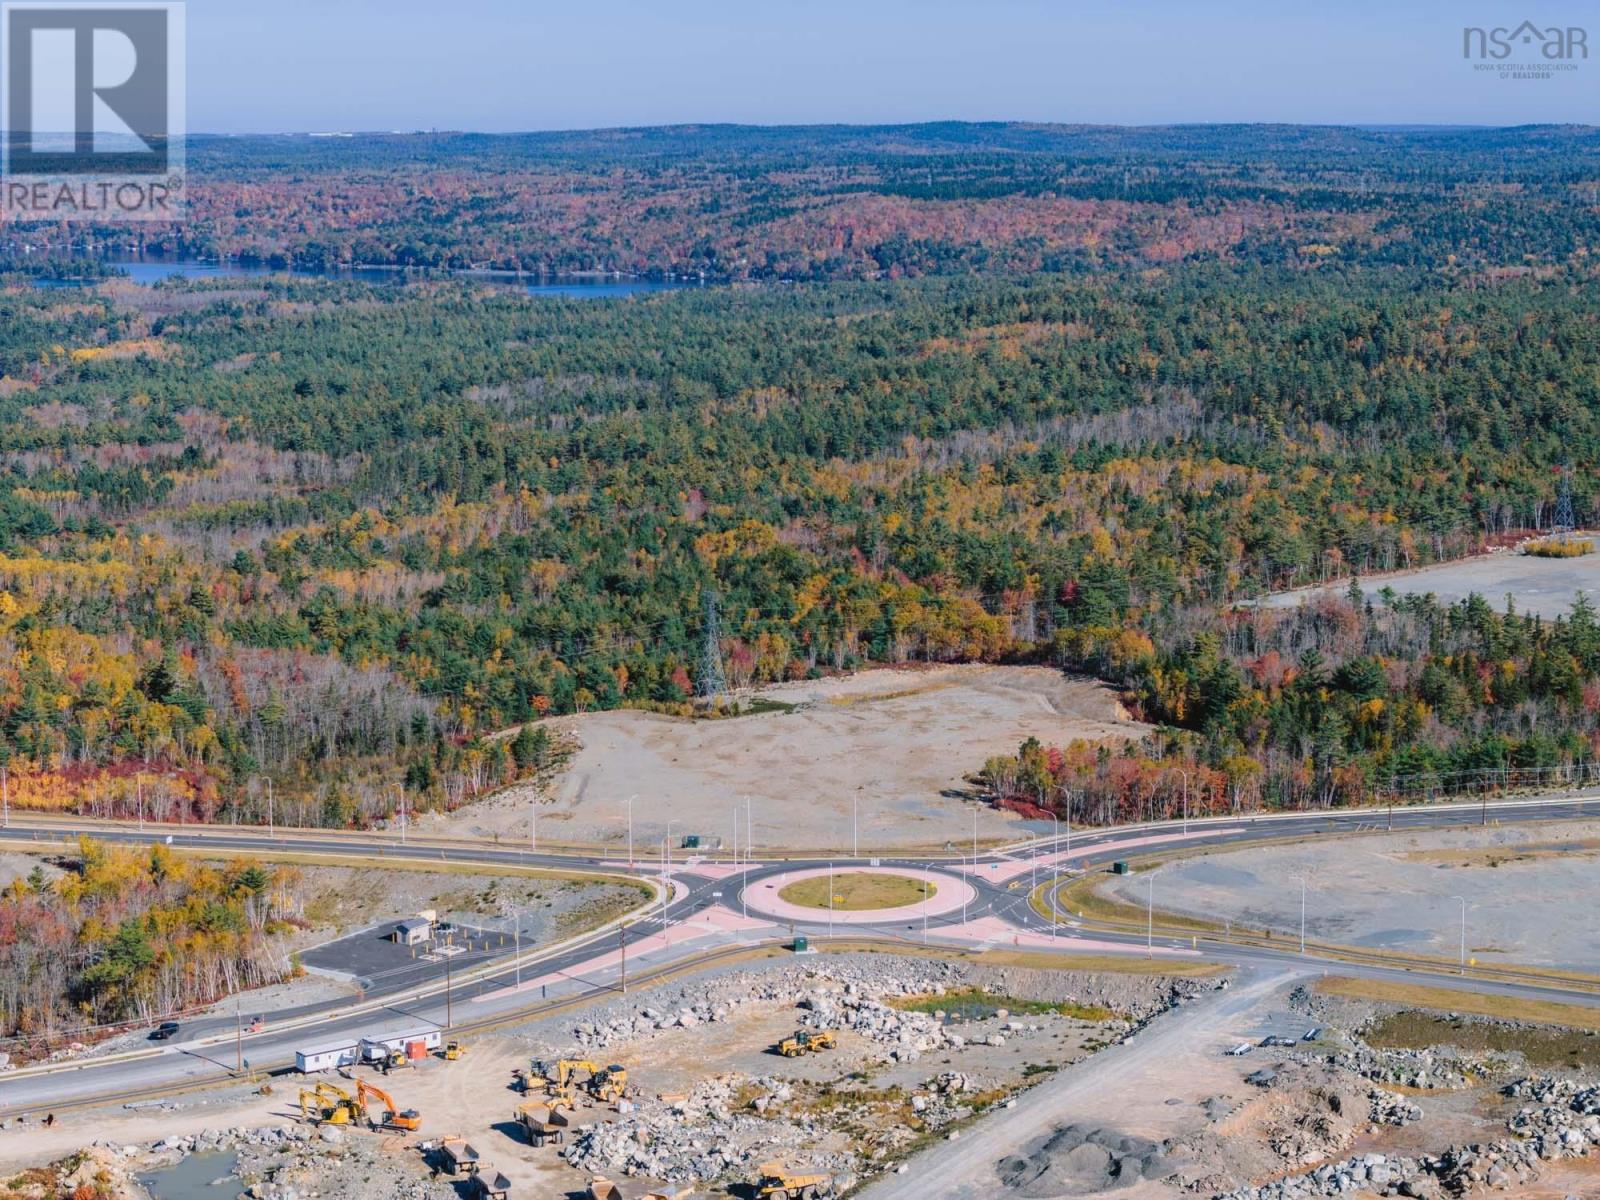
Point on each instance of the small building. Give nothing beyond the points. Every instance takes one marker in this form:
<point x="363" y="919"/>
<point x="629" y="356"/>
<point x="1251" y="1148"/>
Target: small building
<point x="324" y="1056"/>
<point x="413" y="931"/>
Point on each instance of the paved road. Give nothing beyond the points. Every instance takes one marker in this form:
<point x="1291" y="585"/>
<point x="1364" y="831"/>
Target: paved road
<point x="444" y="1001"/>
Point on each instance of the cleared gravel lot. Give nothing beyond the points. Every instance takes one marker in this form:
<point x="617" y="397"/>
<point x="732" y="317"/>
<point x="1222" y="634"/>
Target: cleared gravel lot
<point x="1531" y="891"/>
<point x="898" y="744"/>
<point x="1546" y="586"/>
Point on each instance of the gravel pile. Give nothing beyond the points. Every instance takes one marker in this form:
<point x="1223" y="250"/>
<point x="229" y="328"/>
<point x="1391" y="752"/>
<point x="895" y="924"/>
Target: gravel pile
<point x="1078" y="1160"/>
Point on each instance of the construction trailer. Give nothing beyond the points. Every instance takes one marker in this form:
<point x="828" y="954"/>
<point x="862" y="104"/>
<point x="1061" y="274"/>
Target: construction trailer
<point x="414" y="1042"/>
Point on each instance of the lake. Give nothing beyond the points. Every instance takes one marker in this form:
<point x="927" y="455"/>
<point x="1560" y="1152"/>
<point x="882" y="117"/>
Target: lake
<point x="584" y="287"/>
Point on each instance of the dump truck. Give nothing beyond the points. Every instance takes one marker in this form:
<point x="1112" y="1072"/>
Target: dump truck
<point x="545" y="1121"/>
<point x="601" y="1188"/>
<point x="807" y="1041"/>
<point x="780" y="1183"/>
<point x="460" y="1156"/>
<point x="393" y="1116"/>
<point x="489" y="1184"/>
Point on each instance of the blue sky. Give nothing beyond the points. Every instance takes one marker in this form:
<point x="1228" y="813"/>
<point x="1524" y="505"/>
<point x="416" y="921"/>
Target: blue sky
<point x="273" y="65"/>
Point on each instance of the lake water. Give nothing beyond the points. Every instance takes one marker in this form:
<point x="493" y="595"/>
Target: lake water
<point x="584" y="287"/>
<point x="191" y="1178"/>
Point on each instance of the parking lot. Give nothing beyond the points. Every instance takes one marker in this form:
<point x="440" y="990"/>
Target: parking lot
<point x="378" y="964"/>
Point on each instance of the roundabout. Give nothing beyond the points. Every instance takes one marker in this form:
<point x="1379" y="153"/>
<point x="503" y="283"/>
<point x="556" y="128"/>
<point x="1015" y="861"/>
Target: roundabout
<point x="860" y="895"/>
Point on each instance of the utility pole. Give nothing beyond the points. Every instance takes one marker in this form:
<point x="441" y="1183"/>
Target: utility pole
<point x="855" y="834"/>
<point x="622" y="938"/>
<point x="271" y="832"/>
<point x="448" y="1010"/>
<point x="138" y="793"/>
<point x="830" y="900"/>
<point x="533" y="822"/>
<point x="749" y="835"/>
<point x="238" y="1037"/>
<point x="5" y="797"/>
<point x="519" y="949"/>
<point x="974" y="839"/>
<point x="1186" y="803"/>
<point x="631" y="799"/>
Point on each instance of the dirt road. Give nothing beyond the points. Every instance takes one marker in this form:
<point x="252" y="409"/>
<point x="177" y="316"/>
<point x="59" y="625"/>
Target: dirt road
<point x="1125" y="1088"/>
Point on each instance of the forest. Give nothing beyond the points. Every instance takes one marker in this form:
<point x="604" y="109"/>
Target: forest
<point x="343" y="545"/>
<point x="121" y="934"/>
<point x="875" y="202"/>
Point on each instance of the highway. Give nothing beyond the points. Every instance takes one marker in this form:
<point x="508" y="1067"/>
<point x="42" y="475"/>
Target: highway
<point x="470" y="995"/>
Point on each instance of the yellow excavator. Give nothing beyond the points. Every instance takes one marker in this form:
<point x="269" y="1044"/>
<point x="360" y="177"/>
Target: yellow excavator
<point x="394" y="1117"/>
<point x="807" y="1041"/>
<point x="329" y="1105"/>
<point x="777" y="1182"/>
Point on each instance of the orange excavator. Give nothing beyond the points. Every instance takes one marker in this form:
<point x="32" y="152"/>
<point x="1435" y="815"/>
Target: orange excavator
<point x="394" y="1117"/>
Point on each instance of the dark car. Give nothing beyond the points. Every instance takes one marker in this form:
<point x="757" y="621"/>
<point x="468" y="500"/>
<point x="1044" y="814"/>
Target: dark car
<point x="164" y="1031"/>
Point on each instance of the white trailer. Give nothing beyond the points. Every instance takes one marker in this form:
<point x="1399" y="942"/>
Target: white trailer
<point x="414" y="1042"/>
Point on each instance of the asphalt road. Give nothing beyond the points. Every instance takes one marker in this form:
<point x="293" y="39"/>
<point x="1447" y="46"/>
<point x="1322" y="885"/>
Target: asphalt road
<point x="458" y="994"/>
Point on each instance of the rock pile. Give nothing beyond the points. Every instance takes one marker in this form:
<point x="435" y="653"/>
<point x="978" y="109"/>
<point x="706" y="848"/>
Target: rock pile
<point x="1391" y="1108"/>
<point x="1563" y="1123"/>
<point x="1415" y="1068"/>
<point x="712" y="1000"/>
<point x="704" y="1137"/>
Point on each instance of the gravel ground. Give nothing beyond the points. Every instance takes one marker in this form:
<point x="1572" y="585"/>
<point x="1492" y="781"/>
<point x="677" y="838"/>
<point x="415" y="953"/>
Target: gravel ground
<point x="1530" y="903"/>
<point x="898" y="744"/>
<point x="1546" y="586"/>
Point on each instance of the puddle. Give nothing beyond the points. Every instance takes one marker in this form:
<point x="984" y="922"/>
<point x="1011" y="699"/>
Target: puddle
<point x="193" y="1178"/>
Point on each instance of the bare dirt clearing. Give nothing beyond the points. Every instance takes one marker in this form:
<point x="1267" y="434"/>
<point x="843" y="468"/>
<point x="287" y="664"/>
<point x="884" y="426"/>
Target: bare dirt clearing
<point x="898" y="744"/>
<point x="1530" y="901"/>
<point x="1546" y="586"/>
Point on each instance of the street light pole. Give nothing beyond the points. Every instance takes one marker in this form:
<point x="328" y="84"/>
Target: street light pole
<point x="1302" y="914"/>
<point x="271" y="832"/>
<point x="1055" y="868"/>
<point x="519" y="949"/>
<point x="631" y="799"/>
<point x="855" y="832"/>
<point x="533" y="823"/>
<point x="1186" y="802"/>
<point x="830" y="900"/>
<point x="974" y="839"/>
<point x="1463" y="900"/>
<point x="926" y="889"/>
<point x="1150" y="918"/>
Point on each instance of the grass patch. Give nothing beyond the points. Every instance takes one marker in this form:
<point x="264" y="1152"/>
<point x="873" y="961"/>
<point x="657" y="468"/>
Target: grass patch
<point x="854" y="891"/>
<point x="975" y="1004"/>
<point x="1414" y="1029"/>
<point x="1557" y="548"/>
<point x="1445" y="1000"/>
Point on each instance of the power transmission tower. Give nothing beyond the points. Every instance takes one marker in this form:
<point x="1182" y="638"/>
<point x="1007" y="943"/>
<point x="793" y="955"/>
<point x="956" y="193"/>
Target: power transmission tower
<point x="712" y="682"/>
<point x="1566" y="520"/>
